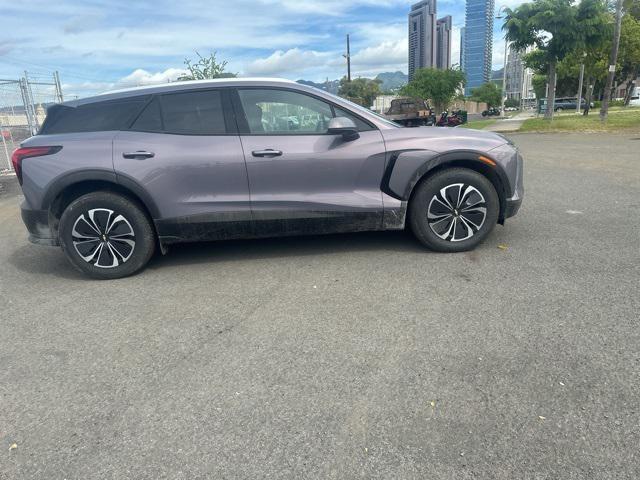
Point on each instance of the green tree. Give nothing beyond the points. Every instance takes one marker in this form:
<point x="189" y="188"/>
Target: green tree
<point x="629" y="55"/>
<point x="438" y="86"/>
<point x="488" y="93"/>
<point x="556" y="28"/>
<point x="205" y="68"/>
<point x="361" y="90"/>
<point x="539" y="83"/>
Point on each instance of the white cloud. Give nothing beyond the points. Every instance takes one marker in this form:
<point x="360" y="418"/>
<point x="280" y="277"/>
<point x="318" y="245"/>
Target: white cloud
<point x="391" y="52"/>
<point x="329" y="7"/>
<point x="497" y="59"/>
<point x="142" y="77"/>
<point x="138" y="77"/>
<point x="281" y="62"/>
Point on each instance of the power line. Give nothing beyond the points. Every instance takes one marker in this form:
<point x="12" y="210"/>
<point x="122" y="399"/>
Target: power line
<point x="66" y="72"/>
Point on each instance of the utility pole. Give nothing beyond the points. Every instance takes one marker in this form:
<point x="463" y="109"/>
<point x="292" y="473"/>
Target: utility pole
<point x="604" y="110"/>
<point x="348" y="57"/>
<point x="580" y="89"/>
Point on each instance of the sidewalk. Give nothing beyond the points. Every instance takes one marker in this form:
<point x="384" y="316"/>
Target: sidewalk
<point x="510" y="124"/>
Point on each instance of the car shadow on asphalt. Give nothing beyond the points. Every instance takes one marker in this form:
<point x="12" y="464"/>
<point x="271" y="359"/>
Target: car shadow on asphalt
<point x="39" y="260"/>
<point x="34" y="259"/>
<point x="283" y="247"/>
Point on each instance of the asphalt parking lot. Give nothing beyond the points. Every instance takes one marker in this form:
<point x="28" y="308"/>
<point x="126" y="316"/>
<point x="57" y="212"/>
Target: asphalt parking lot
<point x="347" y="356"/>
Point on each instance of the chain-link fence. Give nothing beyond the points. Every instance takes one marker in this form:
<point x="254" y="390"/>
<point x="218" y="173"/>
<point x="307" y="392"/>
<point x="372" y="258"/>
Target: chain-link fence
<point x="23" y="104"/>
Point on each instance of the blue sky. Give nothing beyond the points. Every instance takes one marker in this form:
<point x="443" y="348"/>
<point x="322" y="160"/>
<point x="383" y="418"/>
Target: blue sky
<point x="102" y="44"/>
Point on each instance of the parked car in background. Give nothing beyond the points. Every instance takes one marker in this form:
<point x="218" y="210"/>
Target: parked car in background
<point x="113" y="177"/>
<point x="565" y="104"/>
<point x="491" y="112"/>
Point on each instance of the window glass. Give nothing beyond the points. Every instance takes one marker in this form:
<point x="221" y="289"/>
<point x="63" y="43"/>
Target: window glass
<point x="284" y="112"/>
<point x="149" y="120"/>
<point x="92" y="117"/>
<point x="361" y="124"/>
<point x="195" y="113"/>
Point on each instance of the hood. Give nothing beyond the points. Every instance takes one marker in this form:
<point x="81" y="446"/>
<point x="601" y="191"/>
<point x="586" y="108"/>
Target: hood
<point x="441" y="139"/>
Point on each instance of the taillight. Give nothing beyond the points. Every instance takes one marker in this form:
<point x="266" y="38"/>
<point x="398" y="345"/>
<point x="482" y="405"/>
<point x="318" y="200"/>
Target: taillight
<point x="26" y="152"/>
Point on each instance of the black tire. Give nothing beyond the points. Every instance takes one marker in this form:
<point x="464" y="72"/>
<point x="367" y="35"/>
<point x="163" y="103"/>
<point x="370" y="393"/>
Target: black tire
<point x="127" y="223"/>
<point x="429" y="215"/>
<point x="485" y="113"/>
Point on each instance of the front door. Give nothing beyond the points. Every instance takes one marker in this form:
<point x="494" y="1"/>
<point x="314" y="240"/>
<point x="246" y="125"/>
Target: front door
<point x="185" y="152"/>
<point x="302" y="179"/>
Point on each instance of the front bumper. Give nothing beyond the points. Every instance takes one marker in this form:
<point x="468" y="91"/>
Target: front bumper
<point x="37" y="223"/>
<point x="510" y="159"/>
<point x="511" y="207"/>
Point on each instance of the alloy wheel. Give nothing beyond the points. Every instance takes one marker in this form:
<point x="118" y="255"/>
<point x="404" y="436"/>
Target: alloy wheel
<point x="103" y="238"/>
<point x="457" y="212"/>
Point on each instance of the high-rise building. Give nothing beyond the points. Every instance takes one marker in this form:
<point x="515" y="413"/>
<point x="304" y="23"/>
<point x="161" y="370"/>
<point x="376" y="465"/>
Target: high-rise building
<point x="443" y="43"/>
<point x="478" y="41"/>
<point x="422" y="36"/>
<point x="462" y="30"/>
<point x="518" y="84"/>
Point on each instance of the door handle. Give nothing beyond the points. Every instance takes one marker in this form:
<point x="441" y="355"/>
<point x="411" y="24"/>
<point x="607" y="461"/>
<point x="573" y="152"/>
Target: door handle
<point x="269" y="152"/>
<point x="138" y="155"/>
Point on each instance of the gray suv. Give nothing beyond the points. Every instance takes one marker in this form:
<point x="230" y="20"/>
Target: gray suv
<point x="114" y="177"/>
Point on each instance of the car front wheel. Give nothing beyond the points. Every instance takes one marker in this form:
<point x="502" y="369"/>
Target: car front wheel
<point x="106" y="235"/>
<point x="454" y="210"/>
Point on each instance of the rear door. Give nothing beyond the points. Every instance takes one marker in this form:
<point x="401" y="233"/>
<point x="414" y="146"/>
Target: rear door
<point x="184" y="151"/>
<point x="301" y="178"/>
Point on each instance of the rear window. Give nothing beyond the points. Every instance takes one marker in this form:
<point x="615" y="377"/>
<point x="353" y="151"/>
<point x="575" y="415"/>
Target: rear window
<point x="186" y="113"/>
<point x="92" y="117"/>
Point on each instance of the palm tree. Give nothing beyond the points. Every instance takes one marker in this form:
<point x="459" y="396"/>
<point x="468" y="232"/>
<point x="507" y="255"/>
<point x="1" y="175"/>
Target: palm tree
<point x="556" y="28"/>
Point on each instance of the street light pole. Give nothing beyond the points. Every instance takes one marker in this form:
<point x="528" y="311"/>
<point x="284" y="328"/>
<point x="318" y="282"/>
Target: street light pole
<point x="504" y="77"/>
<point x="503" y="96"/>
<point x="580" y="89"/>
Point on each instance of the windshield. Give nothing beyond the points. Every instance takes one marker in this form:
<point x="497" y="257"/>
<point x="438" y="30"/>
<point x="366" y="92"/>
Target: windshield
<point x="360" y="108"/>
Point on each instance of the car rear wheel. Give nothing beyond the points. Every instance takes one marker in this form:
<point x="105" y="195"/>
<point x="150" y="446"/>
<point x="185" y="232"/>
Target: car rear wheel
<point x="106" y="235"/>
<point x="559" y="109"/>
<point x="454" y="210"/>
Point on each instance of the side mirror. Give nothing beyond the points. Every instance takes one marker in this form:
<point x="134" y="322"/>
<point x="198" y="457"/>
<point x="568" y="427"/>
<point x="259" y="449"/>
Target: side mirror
<point x="343" y="126"/>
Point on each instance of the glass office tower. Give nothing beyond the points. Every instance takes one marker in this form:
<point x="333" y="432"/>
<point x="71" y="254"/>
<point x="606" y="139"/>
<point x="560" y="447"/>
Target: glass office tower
<point x="478" y="42"/>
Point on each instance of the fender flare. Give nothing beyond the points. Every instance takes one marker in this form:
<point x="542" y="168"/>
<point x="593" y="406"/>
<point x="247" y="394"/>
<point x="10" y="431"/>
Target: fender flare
<point x="109" y="176"/>
<point x="440" y="160"/>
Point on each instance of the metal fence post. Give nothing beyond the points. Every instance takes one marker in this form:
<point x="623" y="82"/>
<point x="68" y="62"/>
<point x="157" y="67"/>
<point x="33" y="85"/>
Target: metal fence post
<point x="31" y="104"/>
<point x="25" y="103"/>
<point x="56" y="80"/>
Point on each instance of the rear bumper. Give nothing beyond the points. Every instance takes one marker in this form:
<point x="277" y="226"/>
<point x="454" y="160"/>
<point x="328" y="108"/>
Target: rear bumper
<point x="37" y="223"/>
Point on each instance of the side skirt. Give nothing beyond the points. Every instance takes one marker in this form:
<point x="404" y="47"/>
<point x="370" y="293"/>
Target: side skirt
<point x="227" y="226"/>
